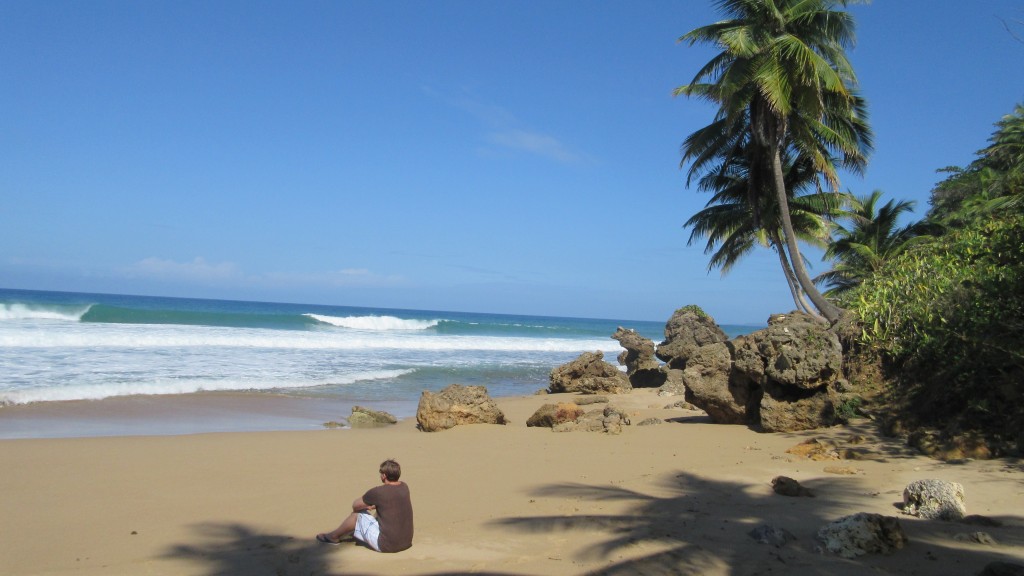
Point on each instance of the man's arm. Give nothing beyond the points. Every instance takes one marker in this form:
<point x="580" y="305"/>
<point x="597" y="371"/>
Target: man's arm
<point x="358" y="505"/>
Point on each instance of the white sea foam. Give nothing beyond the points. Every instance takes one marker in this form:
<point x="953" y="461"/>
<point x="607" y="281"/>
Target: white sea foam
<point x="374" y="322"/>
<point x="10" y="312"/>
<point x="133" y="336"/>
<point x="164" y="386"/>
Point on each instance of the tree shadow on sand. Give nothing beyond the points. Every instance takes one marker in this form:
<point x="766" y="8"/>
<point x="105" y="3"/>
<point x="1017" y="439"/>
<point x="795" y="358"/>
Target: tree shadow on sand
<point x="239" y="550"/>
<point x="703" y="526"/>
<point x="230" y="549"/>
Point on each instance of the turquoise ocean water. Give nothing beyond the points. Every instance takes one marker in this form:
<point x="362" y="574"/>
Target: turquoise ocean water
<point x="58" y="346"/>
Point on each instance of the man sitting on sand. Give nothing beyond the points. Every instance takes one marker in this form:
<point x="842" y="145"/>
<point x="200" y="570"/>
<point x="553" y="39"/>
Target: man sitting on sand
<point x="391" y="529"/>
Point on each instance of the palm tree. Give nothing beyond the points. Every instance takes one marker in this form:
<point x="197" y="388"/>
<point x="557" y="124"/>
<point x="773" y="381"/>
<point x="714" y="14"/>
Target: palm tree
<point x="735" y="221"/>
<point x="992" y="183"/>
<point x="783" y="66"/>
<point x="871" y="239"/>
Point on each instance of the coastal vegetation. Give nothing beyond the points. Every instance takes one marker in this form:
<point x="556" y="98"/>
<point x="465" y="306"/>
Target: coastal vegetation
<point x="937" y="304"/>
<point x="946" y="314"/>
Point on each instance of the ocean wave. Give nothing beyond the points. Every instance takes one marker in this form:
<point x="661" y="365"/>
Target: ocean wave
<point x="374" y="322"/>
<point x="175" y="386"/>
<point x="17" y="311"/>
<point x="128" y="336"/>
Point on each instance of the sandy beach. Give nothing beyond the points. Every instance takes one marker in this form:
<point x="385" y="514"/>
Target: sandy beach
<point x="675" y="498"/>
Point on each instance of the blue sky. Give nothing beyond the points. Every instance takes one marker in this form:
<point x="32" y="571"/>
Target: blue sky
<point x="496" y="156"/>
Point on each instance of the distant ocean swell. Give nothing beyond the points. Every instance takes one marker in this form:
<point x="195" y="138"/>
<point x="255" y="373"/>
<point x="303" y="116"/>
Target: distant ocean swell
<point x="108" y="314"/>
<point x="64" y="346"/>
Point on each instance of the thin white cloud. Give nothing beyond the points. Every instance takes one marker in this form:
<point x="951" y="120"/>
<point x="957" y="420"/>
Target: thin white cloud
<point x="535" y="143"/>
<point x="506" y="132"/>
<point x="201" y="271"/>
<point x="196" y="270"/>
<point x="334" y="279"/>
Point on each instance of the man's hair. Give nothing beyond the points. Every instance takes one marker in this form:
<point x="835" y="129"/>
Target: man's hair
<point x="391" y="470"/>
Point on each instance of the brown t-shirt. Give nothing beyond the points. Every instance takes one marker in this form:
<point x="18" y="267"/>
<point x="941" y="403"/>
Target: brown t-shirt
<point x="394" y="513"/>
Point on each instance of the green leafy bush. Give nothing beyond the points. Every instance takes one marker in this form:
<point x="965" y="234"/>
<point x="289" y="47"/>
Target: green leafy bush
<point x="949" y="315"/>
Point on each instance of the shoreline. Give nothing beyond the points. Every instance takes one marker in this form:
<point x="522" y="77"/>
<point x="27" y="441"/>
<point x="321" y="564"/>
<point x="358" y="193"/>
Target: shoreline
<point x="181" y="414"/>
<point x="675" y="498"/>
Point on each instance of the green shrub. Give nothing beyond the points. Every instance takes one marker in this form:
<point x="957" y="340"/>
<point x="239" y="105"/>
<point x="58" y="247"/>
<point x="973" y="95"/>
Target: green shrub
<point x="697" y="310"/>
<point x="949" y="315"/>
<point x="848" y="409"/>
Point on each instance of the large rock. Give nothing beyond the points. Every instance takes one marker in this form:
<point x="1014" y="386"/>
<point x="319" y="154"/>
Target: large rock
<point x="589" y="374"/>
<point x="862" y="533"/>
<point x="795" y="364"/>
<point x="673" y="385"/>
<point x="642" y="368"/>
<point x="366" y="418"/>
<point x="796" y="350"/>
<point x="708" y="386"/>
<point x="934" y="499"/>
<point x="610" y="420"/>
<point x="457" y="405"/>
<point x="788" y="409"/>
<point x="688" y="329"/>
<point x="550" y="415"/>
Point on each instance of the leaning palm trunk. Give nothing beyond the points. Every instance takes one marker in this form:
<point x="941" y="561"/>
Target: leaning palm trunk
<point x="828" y="310"/>
<point x="794" y="286"/>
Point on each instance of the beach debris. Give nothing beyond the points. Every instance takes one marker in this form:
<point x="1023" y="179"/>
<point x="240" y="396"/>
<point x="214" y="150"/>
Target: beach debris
<point x="976" y="537"/>
<point x="589" y="374"/>
<point x="786" y="486"/>
<point x="650" y="422"/>
<point x="841" y="470"/>
<point x="815" y="449"/>
<point x="935" y="500"/>
<point x="550" y="415"/>
<point x="683" y="404"/>
<point x="862" y="533"/>
<point x="772" y="535"/>
<point x="366" y="418"/>
<point x="1002" y="569"/>
<point x="642" y="368"/>
<point x="856" y="439"/>
<point x="456" y="405"/>
<point x="950" y="448"/>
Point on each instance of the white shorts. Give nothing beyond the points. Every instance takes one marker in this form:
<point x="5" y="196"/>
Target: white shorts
<point x="367" y="530"/>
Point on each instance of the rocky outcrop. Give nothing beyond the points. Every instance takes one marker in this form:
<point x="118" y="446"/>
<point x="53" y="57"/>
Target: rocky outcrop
<point x="673" y="385"/>
<point x="551" y="415"/>
<point x="610" y="421"/>
<point x="786" y="486"/>
<point x="796" y="351"/>
<point x="457" y="405"/>
<point x="642" y="368"/>
<point x="782" y="378"/>
<point x="366" y="418"/>
<point x="589" y="374"/>
<point x="772" y="535"/>
<point x="688" y="329"/>
<point x="786" y="377"/>
<point x="934" y="499"/>
<point x="862" y="533"/>
<point x="709" y="386"/>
